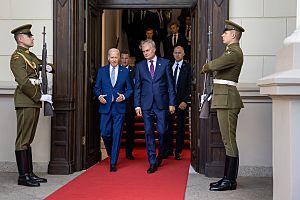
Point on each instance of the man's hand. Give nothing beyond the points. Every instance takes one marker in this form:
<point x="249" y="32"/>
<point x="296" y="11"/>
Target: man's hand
<point x="182" y="106"/>
<point x="138" y="111"/>
<point x="102" y="99"/>
<point x="171" y="109"/>
<point x="120" y="98"/>
<point x="46" y="97"/>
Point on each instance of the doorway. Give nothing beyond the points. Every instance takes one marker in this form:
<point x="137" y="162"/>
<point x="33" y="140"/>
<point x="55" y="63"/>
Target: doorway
<point x="77" y="46"/>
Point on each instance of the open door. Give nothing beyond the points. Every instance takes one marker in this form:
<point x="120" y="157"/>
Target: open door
<point x="93" y="44"/>
<point x="207" y="150"/>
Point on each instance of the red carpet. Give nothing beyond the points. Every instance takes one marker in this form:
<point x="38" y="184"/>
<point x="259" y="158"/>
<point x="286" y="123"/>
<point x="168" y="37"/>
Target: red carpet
<point x="130" y="182"/>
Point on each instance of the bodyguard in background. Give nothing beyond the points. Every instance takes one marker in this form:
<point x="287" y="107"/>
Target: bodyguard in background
<point x="227" y="101"/>
<point x="130" y="112"/>
<point x="113" y="87"/>
<point x="154" y="98"/>
<point x="28" y="98"/>
<point x="182" y="77"/>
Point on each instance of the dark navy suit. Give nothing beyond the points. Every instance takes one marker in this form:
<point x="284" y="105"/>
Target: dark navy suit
<point x="154" y="96"/>
<point x="112" y="113"/>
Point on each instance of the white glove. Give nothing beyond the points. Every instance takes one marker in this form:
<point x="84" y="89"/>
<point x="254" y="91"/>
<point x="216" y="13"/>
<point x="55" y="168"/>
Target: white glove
<point x="48" y="68"/>
<point x="46" y="97"/>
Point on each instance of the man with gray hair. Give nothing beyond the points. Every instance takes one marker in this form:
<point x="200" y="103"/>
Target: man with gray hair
<point x="113" y="87"/>
<point x="154" y="97"/>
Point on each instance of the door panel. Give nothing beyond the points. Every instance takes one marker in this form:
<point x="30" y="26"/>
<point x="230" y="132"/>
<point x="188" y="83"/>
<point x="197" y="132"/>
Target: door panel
<point x="92" y="152"/>
<point x="207" y="147"/>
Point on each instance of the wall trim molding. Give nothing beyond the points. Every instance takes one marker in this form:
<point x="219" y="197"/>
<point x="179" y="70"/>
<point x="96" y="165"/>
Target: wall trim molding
<point x="8" y="166"/>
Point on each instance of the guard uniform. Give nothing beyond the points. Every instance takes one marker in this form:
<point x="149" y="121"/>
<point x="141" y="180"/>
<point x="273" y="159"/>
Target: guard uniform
<point x="227" y="101"/>
<point x="25" y="67"/>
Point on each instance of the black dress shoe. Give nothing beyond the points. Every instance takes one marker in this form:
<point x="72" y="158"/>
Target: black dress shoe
<point x="152" y="169"/>
<point x="113" y="168"/>
<point x="178" y="156"/>
<point x="26" y="181"/>
<point x="215" y="184"/>
<point x="129" y="157"/>
<point x="36" y="178"/>
<point x="226" y="184"/>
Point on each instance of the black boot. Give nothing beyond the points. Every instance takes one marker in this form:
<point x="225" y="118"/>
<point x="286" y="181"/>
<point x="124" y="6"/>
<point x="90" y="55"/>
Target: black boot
<point x="30" y="167"/>
<point x="214" y="184"/>
<point x="228" y="182"/>
<point x="22" y="163"/>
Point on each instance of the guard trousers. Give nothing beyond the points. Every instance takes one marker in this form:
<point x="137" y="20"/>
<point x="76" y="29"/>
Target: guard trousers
<point x="228" y="122"/>
<point x="27" y="120"/>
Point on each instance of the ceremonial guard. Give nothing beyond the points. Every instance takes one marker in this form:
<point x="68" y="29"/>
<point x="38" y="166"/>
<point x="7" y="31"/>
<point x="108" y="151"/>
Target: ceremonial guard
<point x="28" y="98"/>
<point x="227" y="101"/>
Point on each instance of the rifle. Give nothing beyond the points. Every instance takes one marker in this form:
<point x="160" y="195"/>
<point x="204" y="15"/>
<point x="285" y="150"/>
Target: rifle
<point x="48" y="108"/>
<point x="207" y="84"/>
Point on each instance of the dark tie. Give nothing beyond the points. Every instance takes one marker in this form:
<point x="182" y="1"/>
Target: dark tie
<point x="174" y="39"/>
<point x="175" y="73"/>
<point x="151" y="69"/>
<point x="188" y="31"/>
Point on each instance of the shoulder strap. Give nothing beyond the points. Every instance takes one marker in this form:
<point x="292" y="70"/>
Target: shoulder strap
<point x="31" y="64"/>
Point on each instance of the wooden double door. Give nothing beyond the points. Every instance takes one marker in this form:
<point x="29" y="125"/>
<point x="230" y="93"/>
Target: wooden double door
<point x="75" y="136"/>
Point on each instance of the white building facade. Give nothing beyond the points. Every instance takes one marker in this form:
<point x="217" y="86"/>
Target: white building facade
<point x="267" y="24"/>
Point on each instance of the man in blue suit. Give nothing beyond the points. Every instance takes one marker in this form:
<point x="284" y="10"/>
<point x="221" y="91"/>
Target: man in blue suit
<point x="113" y="87"/>
<point x="154" y="97"/>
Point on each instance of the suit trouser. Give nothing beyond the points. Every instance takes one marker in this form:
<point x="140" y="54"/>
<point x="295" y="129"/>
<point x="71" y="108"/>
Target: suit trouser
<point x="161" y="126"/>
<point x="180" y="132"/>
<point x="110" y="128"/>
<point x="129" y="120"/>
<point x="228" y="122"/>
<point x="27" y="120"/>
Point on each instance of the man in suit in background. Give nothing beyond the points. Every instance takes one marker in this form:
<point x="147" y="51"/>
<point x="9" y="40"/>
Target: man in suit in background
<point x="182" y="77"/>
<point x="113" y="87"/>
<point x="154" y="98"/>
<point x="130" y="112"/>
<point x="173" y="40"/>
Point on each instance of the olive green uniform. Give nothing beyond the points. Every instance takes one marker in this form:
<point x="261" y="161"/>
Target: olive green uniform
<point x="226" y="99"/>
<point x="25" y="67"/>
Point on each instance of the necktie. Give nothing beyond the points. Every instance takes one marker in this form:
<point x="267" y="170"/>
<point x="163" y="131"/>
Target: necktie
<point x="174" y="39"/>
<point x="151" y="69"/>
<point x="113" y="76"/>
<point x="188" y="29"/>
<point x="175" y="73"/>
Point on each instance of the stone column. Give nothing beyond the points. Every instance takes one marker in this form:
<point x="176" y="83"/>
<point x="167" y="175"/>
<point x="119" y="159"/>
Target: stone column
<point x="295" y="36"/>
<point x="284" y="89"/>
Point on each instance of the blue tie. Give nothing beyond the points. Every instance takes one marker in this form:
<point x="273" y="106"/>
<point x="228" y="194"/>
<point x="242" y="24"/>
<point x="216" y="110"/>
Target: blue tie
<point x="112" y="79"/>
<point x="113" y="76"/>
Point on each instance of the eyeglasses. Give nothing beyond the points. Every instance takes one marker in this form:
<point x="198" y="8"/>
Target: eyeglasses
<point x="177" y="52"/>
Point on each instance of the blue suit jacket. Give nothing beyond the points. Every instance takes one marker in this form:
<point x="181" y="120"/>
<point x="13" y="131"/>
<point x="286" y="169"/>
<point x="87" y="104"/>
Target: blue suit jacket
<point x="104" y="87"/>
<point x="159" y="89"/>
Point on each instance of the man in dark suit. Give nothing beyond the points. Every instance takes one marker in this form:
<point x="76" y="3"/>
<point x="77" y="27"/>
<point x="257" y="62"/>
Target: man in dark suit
<point x="182" y="77"/>
<point x="130" y="112"/>
<point x="142" y="20"/>
<point x="187" y="32"/>
<point x="113" y="87"/>
<point x="154" y="97"/>
<point x="173" y="40"/>
<point x="161" y="27"/>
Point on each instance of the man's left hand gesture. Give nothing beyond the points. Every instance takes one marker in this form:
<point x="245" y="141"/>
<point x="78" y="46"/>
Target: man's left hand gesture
<point x="120" y="98"/>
